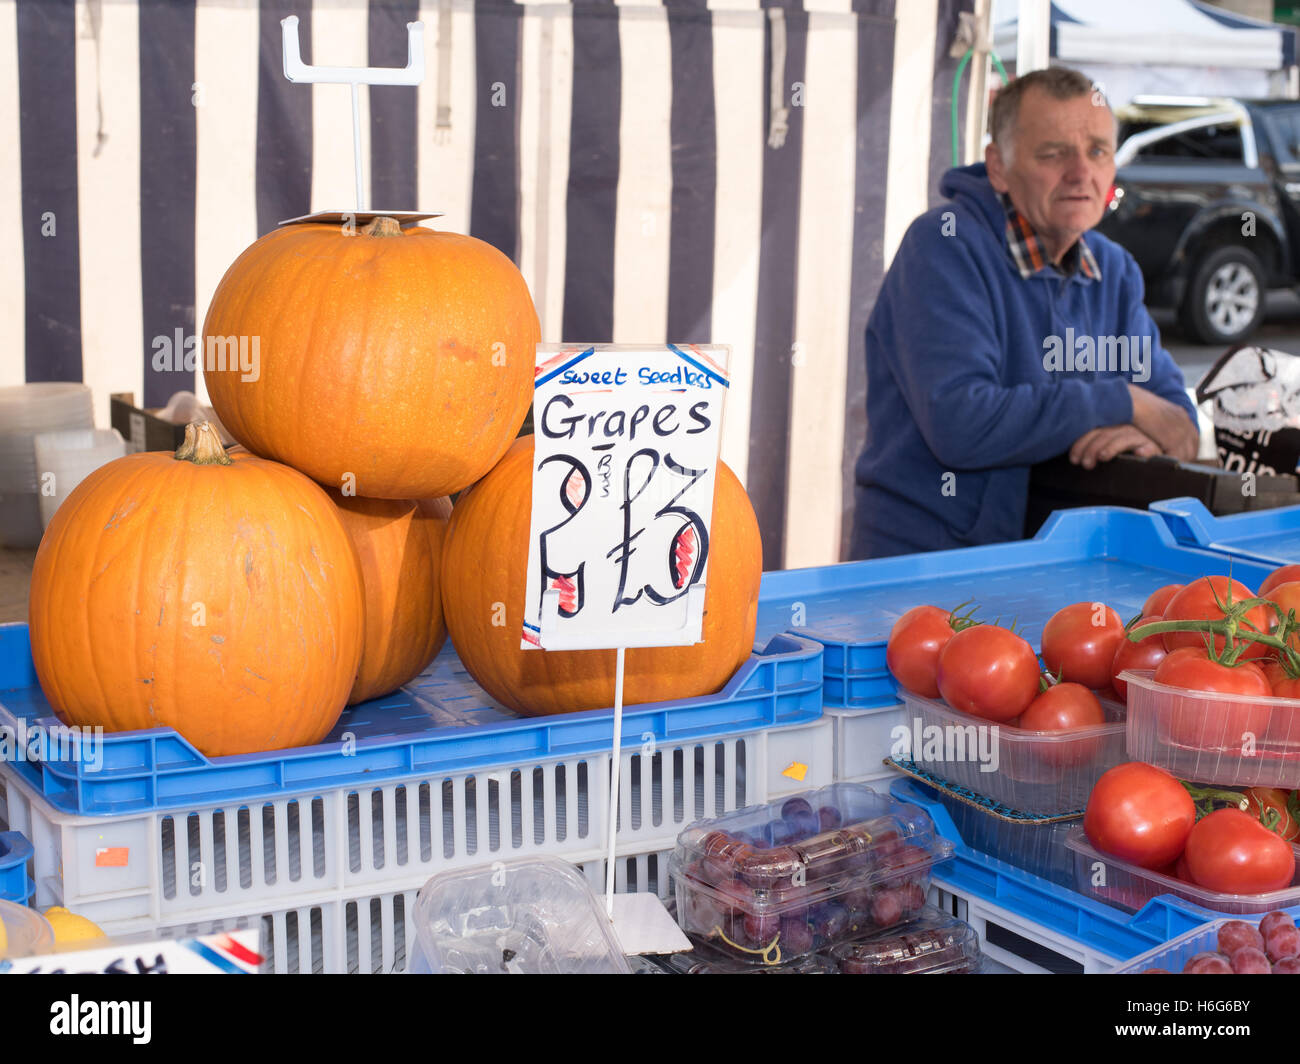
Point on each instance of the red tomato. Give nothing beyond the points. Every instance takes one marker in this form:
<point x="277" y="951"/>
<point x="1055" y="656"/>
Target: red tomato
<point x="1264" y="802"/>
<point x="1181" y="871"/>
<point x="1284" y="724"/>
<point x="989" y="672"/>
<point x="912" y="652"/>
<point x="1140" y="814"/>
<point x="1283" y="575"/>
<point x="1159" y="599"/>
<point x="1288" y="597"/>
<point x="1273" y="673"/>
<point x="1233" y="853"/>
<point x="1139" y="656"/>
<point x="1196" y="602"/>
<point x="1213" y="725"/>
<point x="1080" y="641"/>
<point x="1064" y="706"/>
<point x="1060" y="708"/>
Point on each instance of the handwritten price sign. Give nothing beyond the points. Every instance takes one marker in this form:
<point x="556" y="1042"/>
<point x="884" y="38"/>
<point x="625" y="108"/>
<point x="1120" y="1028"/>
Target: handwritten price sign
<point x="626" y="452"/>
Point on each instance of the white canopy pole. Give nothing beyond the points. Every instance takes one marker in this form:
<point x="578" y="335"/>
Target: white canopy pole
<point x="1034" y="38"/>
<point x="978" y="95"/>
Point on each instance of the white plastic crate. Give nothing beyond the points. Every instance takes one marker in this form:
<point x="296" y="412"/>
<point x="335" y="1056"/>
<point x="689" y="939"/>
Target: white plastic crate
<point x="373" y="934"/>
<point x="1017" y="943"/>
<point x="142" y="871"/>
<point x="863" y="739"/>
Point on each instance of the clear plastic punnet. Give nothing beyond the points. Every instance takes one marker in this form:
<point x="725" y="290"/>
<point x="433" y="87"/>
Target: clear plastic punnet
<point x="1044" y="773"/>
<point x="532" y="916"/>
<point x="772" y="883"/>
<point x="933" y="943"/>
<point x="26" y="932"/>
<point x="1213" y="738"/>
<point x="703" y="961"/>
<point x="1221" y="943"/>
<point x="1127" y="886"/>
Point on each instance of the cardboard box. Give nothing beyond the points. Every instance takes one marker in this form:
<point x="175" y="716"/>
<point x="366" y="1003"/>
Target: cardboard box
<point x="142" y="429"/>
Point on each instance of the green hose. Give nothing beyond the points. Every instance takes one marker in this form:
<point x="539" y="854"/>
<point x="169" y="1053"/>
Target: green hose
<point x="956" y="86"/>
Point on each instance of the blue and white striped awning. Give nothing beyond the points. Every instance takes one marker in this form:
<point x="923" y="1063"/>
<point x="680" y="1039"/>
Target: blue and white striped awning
<point x="627" y="156"/>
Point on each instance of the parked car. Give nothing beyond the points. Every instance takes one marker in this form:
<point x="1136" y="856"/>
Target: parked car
<point x="1207" y="199"/>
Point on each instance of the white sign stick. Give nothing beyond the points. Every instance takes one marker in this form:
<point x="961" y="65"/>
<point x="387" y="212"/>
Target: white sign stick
<point x="411" y="74"/>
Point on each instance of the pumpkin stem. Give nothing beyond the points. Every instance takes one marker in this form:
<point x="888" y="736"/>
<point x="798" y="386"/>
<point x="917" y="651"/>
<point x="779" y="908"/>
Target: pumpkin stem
<point x="383" y="226"/>
<point x="202" y="445"/>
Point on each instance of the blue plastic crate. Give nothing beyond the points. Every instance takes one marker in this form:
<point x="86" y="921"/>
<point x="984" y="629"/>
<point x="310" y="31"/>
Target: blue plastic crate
<point x="1103" y="554"/>
<point x="1098" y="927"/>
<point x="15" y="852"/>
<point x="441" y="721"/>
<point x="1269" y="537"/>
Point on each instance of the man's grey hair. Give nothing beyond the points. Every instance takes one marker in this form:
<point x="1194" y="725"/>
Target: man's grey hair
<point x="1061" y="83"/>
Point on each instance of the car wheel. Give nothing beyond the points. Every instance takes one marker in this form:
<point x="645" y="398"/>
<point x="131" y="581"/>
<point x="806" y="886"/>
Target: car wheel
<point x="1225" y="299"/>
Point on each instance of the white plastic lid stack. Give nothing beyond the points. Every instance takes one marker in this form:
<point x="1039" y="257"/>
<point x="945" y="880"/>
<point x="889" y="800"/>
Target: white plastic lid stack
<point x="25" y="411"/>
<point x="530" y="916"/>
<point x="68" y="457"/>
<point x="26" y="932"/>
<point x="28" y="409"/>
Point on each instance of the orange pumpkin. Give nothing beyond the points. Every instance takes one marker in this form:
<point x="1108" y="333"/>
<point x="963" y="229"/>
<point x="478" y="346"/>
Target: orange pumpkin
<point x="216" y="595"/>
<point x="484" y="571"/>
<point x="399" y="545"/>
<point x="395" y="363"/>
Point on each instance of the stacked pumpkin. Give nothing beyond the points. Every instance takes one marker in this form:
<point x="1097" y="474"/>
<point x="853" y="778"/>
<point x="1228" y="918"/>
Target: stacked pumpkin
<point x="244" y="599"/>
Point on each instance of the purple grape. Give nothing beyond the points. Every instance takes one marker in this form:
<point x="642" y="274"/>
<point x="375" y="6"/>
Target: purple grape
<point x="829" y="818"/>
<point x="795" y="806"/>
<point x="831" y="922"/>
<point x="796" y="938"/>
<point x="802" y="825"/>
<point x="1250" y="961"/>
<point x="887" y="908"/>
<point x="858" y="899"/>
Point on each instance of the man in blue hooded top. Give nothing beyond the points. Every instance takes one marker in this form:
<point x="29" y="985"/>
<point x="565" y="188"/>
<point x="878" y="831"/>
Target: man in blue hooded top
<point x="1006" y="333"/>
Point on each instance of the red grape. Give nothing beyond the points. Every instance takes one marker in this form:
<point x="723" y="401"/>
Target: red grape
<point x="829" y="818"/>
<point x="1282" y="943"/>
<point x="886" y="908"/>
<point x="796" y="938"/>
<point x="1236" y="934"/>
<point x="1208" y="964"/>
<point x="1287" y="966"/>
<point x="761" y="928"/>
<point x="1275" y="920"/>
<point x="1250" y="961"/>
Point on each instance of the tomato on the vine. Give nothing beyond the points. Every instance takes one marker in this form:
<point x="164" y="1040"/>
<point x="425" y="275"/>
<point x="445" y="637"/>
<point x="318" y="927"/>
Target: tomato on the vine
<point x="1214" y="725"/>
<point x="1287" y="596"/>
<point x="1272" y="807"/>
<point x="1140" y="814"/>
<point x="1159" y="599"/>
<point x="1197" y="602"/>
<point x="1282" y="575"/>
<point x="1233" y="853"/>
<point x="989" y="672"/>
<point x="912" y="653"/>
<point x="1145" y="655"/>
<point x="1079" y="643"/>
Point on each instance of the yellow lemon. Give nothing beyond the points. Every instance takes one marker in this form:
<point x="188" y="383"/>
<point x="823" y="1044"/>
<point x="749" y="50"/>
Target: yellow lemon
<point x="4" y="939"/>
<point x="69" y="927"/>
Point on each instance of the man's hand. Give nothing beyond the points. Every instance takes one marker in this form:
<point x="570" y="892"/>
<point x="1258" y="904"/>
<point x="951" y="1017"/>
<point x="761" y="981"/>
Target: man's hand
<point x="1101" y="445"/>
<point x="1165" y="422"/>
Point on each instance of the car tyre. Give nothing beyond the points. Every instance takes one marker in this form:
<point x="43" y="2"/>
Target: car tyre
<point x="1225" y="299"/>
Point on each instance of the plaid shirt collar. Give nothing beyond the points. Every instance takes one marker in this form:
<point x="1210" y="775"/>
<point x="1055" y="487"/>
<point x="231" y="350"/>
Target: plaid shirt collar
<point x="1027" y="253"/>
